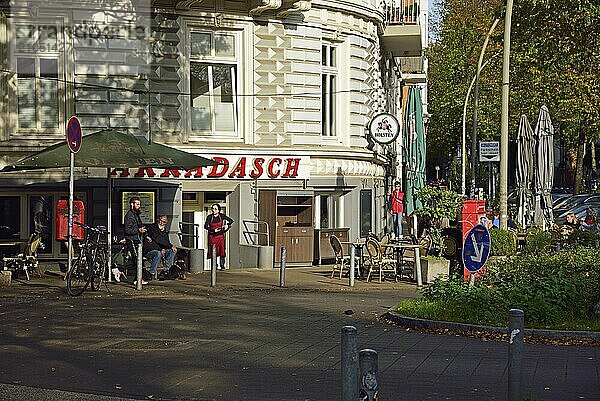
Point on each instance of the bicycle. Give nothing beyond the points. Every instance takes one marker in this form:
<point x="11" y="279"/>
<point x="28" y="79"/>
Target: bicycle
<point x="89" y="268"/>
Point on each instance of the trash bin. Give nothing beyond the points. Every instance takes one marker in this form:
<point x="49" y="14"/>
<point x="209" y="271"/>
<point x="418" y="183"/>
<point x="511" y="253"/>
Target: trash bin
<point x="265" y="257"/>
<point x="196" y="260"/>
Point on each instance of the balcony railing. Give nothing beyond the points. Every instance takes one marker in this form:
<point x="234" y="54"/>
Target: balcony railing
<point x="402" y="12"/>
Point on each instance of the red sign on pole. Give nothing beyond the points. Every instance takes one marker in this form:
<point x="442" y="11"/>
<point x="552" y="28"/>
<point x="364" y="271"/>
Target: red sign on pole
<point x="74" y="134"/>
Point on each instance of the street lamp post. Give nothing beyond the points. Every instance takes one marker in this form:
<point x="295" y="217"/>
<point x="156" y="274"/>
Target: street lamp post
<point x="504" y="120"/>
<point x="476" y="105"/>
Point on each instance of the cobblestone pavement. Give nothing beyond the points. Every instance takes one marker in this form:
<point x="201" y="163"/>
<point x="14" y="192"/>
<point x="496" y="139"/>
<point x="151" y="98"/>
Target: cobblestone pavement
<point x="248" y="339"/>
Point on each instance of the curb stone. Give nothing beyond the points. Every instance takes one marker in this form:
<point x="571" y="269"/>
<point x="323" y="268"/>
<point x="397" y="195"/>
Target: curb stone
<point x="418" y="323"/>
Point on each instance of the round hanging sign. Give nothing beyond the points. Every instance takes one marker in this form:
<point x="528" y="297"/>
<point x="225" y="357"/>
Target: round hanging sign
<point x="384" y="128"/>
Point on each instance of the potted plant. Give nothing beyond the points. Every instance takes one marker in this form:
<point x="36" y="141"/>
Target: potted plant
<point x="437" y="205"/>
<point x="434" y="266"/>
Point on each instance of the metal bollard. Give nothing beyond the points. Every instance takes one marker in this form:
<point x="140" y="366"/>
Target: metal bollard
<point x="138" y="283"/>
<point x="369" y="388"/>
<point x="213" y="267"/>
<point x="352" y="263"/>
<point x="515" y="353"/>
<point x="349" y="364"/>
<point x="282" y="268"/>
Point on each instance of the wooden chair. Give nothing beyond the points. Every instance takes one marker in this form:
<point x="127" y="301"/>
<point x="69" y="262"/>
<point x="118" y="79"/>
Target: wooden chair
<point x="341" y="261"/>
<point x="27" y="259"/>
<point x="378" y="261"/>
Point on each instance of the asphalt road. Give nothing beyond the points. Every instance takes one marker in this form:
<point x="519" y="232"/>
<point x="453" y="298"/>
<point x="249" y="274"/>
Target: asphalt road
<point x="248" y="339"/>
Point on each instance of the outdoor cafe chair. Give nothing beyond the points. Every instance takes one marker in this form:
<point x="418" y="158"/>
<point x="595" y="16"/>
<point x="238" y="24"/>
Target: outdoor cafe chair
<point x="378" y="262"/>
<point x="27" y="260"/>
<point x="342" y="262"/>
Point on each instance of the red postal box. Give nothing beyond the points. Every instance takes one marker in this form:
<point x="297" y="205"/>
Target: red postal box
<point x="471" y="213"/>
<point x="62" y="220"/>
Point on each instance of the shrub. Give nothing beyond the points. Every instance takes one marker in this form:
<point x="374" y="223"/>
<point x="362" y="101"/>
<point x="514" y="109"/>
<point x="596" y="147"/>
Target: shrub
<point x="537" y="242"/>
<point x="549" y="288"/>
<point x="583" y="238"/>
<point x="503" y="243"/>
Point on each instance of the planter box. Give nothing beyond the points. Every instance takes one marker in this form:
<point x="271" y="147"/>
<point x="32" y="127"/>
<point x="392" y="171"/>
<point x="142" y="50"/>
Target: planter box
<point x="432" y="268"/>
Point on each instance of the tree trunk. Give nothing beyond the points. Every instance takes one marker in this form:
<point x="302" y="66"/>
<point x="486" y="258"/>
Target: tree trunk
<point x="578" y="184"/>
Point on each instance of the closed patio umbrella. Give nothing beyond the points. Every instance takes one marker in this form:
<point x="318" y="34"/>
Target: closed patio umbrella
<point x="414" y="154"/>
<point x="414" y="149"/>
<point x="544" y="173"/>
<point x="524" y="172"/>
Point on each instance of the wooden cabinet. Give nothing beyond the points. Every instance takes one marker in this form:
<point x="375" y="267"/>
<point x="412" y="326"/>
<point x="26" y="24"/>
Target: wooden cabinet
<point x="298" y="243"/>
<point x="323" y="251"/>
<point x="295" y="228"/>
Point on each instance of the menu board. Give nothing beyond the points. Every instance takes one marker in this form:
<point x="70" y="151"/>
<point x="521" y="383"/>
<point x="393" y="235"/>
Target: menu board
<point x="146" y="209"/>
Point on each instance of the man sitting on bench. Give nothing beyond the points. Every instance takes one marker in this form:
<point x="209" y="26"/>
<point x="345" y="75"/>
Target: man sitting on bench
<point x="157" y="245"/>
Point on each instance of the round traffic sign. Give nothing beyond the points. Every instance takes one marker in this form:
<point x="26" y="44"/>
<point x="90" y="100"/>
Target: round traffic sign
<point x="74" y="134"/>
<point x="476" y="248"/>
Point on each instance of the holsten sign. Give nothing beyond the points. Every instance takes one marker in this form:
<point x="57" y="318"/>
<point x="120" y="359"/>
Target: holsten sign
<point x="231" y="167"/>
<point x="384" y="128"/>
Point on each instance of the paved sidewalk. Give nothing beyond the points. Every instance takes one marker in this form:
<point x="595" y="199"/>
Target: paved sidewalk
<point x="248" y="339"/>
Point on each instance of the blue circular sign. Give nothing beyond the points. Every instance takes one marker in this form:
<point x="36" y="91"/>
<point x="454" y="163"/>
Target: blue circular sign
<point x="476" y="248"/>
<point x="74" y="134"/>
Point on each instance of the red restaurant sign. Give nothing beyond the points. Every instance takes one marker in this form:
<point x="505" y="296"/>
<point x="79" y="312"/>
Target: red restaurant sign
<point x="231" y="167"/>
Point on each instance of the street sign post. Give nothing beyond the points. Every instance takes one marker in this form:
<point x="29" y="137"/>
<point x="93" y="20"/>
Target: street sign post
<point x="489" y="151"/>
<point x="476" y="248"/>
<point x="73" y="131"/>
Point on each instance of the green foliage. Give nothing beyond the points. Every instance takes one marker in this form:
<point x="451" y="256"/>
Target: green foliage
<point x="538" y="242"/>
<point x="551" y="63"/>
<point x="587" y="239"/>
<point x="438" y="203"/>
<point x="503" y="243"/>
<point x="550" y="288"/>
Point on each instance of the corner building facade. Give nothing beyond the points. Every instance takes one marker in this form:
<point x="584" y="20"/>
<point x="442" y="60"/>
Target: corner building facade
<point x="279" y="92"/>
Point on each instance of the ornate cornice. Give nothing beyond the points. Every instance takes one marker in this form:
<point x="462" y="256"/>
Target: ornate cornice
<point x="296" y="6"/>
<point x="187" y="4"/>
<point x="265" y="5"/>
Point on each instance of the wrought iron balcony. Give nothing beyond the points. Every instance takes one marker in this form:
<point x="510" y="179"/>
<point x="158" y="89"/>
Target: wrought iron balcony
<point x="402" y="35"/>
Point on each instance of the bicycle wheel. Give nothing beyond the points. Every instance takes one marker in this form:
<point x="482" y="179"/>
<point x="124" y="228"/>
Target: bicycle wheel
<point x="99" y="267"/>
<point x="78" y="278"/>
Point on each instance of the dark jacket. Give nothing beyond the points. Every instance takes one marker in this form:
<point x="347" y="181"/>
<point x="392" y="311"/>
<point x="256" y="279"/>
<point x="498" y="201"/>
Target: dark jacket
<point x="211" y="219"/>
<point x="132" y="223"/>
<point x="156" y="239"/>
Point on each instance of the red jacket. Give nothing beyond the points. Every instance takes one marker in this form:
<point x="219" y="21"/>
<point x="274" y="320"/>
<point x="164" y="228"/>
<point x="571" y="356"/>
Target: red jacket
<point x="397" y="201"/>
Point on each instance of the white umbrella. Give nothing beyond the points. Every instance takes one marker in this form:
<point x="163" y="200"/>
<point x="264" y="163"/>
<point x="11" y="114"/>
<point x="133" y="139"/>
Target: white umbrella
<point x="544" y="174"/>
<point x="524" y="171"/>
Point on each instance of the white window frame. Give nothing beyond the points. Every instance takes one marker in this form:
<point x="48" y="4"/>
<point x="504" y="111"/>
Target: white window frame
<point x="58" y="54"/>
<point x="329" y="88"/>
<point x="212" y="135"/>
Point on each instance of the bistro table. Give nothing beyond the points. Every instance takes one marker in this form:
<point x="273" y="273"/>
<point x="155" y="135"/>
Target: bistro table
<point x="399" y="249"/>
